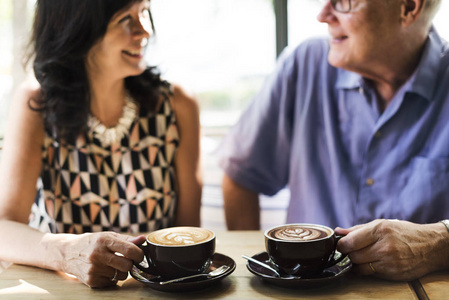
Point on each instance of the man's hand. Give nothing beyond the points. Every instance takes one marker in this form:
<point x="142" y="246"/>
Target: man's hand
<point x="396" y="250"/>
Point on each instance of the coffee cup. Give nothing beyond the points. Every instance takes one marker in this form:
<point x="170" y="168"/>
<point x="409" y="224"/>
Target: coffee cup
<point x="178" y="251"/>
<point x="302" y="249"/>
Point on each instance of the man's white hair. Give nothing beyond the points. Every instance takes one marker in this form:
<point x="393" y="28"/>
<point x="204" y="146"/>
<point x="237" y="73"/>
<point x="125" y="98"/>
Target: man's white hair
<point x="430" y="10"/>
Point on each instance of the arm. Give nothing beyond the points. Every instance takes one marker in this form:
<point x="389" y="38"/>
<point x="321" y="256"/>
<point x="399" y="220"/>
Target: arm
<point x="256" y="151"/>
<point x="241" y="206"/>
<point x="19" y="169"/>
<point x="90" y="257"/>
<point x="187" y="161"/>
<point x="397" y="250"/>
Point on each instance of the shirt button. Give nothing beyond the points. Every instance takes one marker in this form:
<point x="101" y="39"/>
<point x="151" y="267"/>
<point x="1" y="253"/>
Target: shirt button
<point x="361" y="91"/>
<point x="369" y="181"/>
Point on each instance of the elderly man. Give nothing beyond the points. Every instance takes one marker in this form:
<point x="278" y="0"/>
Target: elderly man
<point x="357" y="127"/>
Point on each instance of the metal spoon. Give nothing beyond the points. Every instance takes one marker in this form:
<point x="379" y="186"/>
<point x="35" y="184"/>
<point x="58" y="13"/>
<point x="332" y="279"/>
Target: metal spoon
<point x="211" y="274"/>
<point x="262" y="265"/>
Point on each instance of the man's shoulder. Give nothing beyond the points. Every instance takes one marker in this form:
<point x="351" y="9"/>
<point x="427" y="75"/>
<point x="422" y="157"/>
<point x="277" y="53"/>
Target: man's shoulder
<point x="306" y="59"/>
<point x="307" y="56"/>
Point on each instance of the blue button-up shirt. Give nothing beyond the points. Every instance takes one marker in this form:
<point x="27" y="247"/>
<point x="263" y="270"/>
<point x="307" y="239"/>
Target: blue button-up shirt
<point x="318" y="130"/>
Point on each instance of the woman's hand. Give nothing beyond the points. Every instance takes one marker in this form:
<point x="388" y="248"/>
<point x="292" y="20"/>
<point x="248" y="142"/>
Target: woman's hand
<point x="94" y="257"/>
<point x="396" y="250"/>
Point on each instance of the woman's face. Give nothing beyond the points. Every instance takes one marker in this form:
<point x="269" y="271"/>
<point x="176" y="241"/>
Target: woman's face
<point x="119" y="53"/>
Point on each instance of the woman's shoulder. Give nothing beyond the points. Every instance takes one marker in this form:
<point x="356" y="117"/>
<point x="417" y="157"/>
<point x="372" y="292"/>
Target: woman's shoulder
<point x="28" y="92"/>
<point x="25" y="127"/>
<point x="186" y="109"/>
<point x="25" y="100"/>
<point x="184" y="102"/>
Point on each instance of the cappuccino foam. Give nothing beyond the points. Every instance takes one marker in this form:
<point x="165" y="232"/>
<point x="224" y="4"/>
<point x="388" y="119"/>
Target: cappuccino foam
<point x="298" y="233"/>
<point x="180" y="236"/>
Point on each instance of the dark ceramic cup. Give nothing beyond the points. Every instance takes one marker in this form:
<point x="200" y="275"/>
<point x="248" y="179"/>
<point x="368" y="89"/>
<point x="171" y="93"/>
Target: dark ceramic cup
<point x="302" y="249"/>
<point x="178" y="251"/>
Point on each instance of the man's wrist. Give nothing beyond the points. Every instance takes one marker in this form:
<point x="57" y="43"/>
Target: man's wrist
<point x="445" y="223"/>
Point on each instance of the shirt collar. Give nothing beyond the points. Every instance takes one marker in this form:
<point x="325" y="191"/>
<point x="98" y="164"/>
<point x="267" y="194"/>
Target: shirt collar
<point x="425" y="77"/>
<point x="421" y="82"/>
<point x="348" y="80"/>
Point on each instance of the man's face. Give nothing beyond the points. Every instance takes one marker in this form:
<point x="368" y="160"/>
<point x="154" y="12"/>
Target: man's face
<point x="365" y="37"/>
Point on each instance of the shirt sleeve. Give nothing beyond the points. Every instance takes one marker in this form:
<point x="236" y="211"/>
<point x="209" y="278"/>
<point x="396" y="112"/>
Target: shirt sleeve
<point x="256" y="151"/>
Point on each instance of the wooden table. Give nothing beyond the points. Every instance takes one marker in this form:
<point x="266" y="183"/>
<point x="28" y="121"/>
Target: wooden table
<point x="435" y="286"/>
<point x="22" y="282"/>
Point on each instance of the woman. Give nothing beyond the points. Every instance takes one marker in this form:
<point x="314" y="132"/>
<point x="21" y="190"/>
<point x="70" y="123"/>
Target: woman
<point x="112" y="146"/>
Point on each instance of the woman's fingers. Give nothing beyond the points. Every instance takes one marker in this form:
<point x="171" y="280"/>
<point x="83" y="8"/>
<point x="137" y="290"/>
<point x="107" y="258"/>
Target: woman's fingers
<point x="116" y="243"/>
<point x="98" y="258"/>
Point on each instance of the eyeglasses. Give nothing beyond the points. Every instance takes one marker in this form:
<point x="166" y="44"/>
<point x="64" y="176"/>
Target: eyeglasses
<point x="342" y="6"/>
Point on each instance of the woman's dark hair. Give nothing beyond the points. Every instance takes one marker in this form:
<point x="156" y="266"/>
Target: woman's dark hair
<point x="63" y="33"/>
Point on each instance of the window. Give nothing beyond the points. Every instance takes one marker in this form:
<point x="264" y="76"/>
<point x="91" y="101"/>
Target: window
<point x="302" y="21"/>
<point x="15" y="19"/>
<point x="220" y="49"/>
<point x="7" y="57"/>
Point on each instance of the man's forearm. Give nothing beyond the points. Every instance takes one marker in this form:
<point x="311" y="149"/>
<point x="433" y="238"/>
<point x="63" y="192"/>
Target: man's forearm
<point x="241" y="206"/>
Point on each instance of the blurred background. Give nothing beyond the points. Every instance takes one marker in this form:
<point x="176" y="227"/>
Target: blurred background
<point x="219" y="50"/>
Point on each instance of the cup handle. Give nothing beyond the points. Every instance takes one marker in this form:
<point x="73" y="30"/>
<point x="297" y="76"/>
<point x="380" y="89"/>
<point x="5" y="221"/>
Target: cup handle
<point x="334" y="261"/>
<point x="144" y="264"/>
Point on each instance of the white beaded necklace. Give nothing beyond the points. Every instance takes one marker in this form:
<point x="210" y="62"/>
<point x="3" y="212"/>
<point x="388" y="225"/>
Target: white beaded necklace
<point x="113" y="135"/>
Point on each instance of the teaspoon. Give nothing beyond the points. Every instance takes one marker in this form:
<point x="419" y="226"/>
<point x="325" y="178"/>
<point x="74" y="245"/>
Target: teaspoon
<point x="214" y="273"/>
<point x="262" y="265"/>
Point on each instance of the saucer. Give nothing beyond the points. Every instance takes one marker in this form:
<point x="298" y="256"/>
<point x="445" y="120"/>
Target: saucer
<point x="328" y="276"/>
<point x="151" y="281"/>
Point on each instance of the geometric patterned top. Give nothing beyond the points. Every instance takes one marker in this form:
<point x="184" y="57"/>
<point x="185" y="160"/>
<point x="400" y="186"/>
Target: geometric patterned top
<point x="128" y="186"/>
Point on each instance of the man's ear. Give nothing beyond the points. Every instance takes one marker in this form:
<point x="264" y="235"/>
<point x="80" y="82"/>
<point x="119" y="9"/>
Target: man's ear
<point x="411" y="10"/>
<point x="410" y="6"/>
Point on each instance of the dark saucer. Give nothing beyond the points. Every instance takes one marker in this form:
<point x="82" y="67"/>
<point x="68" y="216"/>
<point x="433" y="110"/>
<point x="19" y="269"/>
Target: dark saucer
<point x="328" y="276"/>
<point x="151" y="281"/>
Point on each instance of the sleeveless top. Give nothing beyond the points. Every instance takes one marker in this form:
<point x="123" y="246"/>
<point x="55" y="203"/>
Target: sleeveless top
<point x="127" y="186"/>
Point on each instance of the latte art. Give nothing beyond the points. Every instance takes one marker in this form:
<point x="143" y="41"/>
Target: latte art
<point x="180" y="236"/>
<point x="298" y="233"/>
